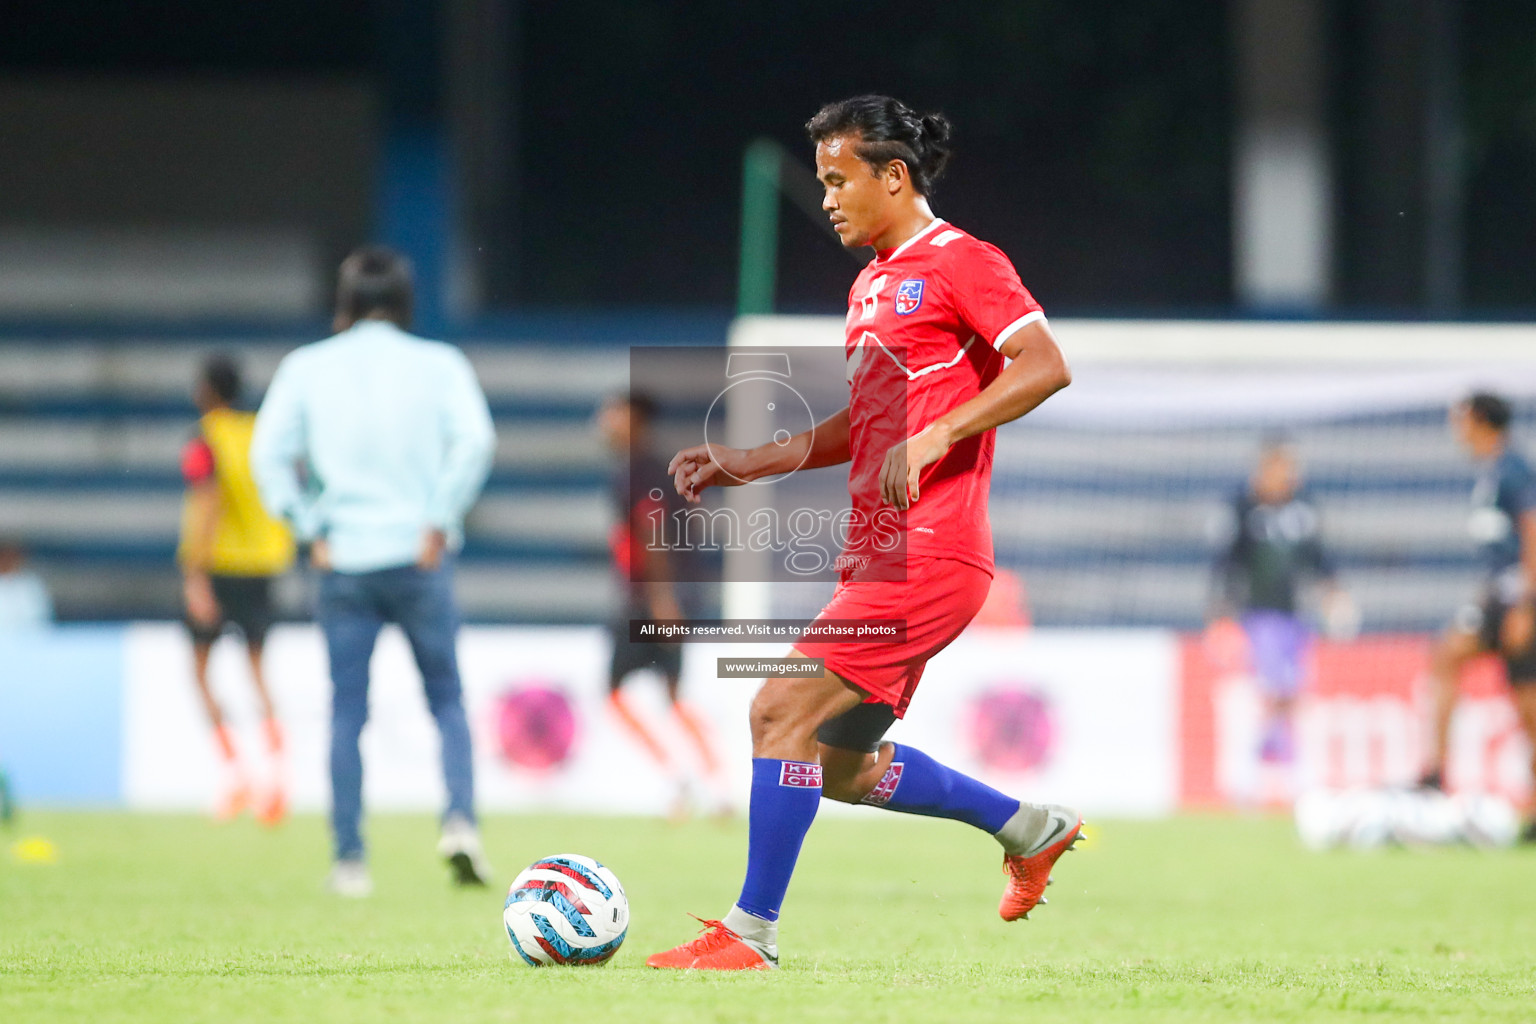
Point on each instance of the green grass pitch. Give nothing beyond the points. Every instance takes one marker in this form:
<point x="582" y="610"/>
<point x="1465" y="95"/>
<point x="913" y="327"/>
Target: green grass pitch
<point x="159" y="918"/>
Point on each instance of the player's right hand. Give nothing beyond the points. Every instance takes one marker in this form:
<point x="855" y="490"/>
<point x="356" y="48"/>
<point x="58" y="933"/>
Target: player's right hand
<point x="703" y="465"/>
<point x="320" y="555"/>
<point x="1518" y="629"/>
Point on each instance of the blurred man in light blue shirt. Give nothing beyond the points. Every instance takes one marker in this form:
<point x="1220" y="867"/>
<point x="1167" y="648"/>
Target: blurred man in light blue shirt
<point x="396" y="439"/>
<point x="373" y="444"/>
<point x="25" y="604"/>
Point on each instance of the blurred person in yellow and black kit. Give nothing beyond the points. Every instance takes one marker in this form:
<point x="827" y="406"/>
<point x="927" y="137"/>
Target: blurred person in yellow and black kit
<point x="230" y="552"/>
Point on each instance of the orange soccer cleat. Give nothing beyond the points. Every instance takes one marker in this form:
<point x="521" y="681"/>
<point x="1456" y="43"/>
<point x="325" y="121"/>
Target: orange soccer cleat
<point x="235" y="802"/>
<point x="1029" y="871"/>
<point x="716" y="949"/>
<point x="272" y="809"/>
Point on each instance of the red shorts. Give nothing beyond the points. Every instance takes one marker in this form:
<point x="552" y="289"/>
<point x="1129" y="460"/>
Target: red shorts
<point x="937" y="600"/>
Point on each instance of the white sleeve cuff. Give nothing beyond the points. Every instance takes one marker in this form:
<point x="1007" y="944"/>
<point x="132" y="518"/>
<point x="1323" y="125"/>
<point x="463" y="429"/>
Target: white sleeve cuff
<point x="1023" y="321"/>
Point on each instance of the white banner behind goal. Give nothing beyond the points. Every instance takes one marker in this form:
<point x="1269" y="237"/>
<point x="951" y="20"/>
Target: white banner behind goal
<point x="1109" y="501"/>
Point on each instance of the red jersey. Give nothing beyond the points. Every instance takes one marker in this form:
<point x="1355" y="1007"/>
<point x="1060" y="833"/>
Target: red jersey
<point x="925" y="320"/>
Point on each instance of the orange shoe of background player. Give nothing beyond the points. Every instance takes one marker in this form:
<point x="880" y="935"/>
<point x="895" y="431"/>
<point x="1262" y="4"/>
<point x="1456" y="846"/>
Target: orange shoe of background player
<point x="1029" y="872"/>
<point x="716" y="949"/>
<point x="272" y="810"/>
<point x="236" y="799"/>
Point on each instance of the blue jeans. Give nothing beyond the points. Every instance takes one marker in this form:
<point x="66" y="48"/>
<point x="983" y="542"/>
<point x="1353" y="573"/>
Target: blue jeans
<point x="353" y="608"/>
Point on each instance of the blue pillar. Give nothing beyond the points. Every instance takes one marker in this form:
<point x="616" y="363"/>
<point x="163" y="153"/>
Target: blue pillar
<point x="414" y="211"/>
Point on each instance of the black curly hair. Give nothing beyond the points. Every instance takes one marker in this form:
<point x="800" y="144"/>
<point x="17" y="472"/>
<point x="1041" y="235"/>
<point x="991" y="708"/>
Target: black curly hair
<point x="887" y="129"/>
<point x="221" y="374"/>
<point x="1490" y="409"/>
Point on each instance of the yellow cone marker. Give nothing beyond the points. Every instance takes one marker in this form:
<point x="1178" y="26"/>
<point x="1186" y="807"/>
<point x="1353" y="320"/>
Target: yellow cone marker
<point x="35" y="850"/>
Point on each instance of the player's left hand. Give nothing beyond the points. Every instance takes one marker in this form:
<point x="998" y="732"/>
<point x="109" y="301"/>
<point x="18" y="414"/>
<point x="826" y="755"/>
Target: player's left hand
<point x="905" y="462"/>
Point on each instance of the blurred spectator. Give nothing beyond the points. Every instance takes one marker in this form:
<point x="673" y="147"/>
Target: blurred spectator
<point x="1502" y="620"/>
<point x="1276" y="550"/>
<point x="24" y="607"/>
<point x="1007" y="603"/>
<point x="399" y="439"/>
<point x="24" y="600"/>
<point x="230" y="553"/>
<point x="642" y="494"/>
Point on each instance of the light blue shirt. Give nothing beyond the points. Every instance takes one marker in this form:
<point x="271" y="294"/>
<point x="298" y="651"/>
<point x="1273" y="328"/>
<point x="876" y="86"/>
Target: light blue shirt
<point x="394" y="437"/>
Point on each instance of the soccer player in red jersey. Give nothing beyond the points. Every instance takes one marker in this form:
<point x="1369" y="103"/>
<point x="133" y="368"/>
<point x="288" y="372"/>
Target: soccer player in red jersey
<point x="943" y="345"/>
<point x="625" y="422"/>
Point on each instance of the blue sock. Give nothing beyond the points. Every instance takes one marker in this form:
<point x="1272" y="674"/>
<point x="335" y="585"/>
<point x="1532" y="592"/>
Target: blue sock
<point x="784" y="799"/>
<point x="917" y="784"/>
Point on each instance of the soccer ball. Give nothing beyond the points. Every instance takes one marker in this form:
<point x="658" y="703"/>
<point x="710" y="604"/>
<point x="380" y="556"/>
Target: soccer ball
<point x="1372" y="814"/>
<point x="1488" y="820"/>
<point x="1428" y="818"/>
<point x="566" y="909"/>
<point x="1330" y="818"/>
<point x="1320" y="819"/>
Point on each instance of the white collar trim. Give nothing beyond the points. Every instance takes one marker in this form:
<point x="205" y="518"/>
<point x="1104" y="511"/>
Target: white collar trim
<point x="903" y="246"/>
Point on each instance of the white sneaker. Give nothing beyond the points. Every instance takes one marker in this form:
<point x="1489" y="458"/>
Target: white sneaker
<point x="681" y="807"/>
<point x="350" y="878"/>
<point x="460" y="847"/>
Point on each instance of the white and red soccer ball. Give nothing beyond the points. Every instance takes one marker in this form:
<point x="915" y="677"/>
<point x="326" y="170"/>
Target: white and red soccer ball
<point x="566" y="909"/>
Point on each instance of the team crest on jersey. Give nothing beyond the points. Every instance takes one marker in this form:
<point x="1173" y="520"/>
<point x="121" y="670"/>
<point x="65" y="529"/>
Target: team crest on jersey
<point x="909" y="296"/>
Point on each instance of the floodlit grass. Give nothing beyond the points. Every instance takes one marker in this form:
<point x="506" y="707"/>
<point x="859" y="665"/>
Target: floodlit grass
<point x="157" y="918"/>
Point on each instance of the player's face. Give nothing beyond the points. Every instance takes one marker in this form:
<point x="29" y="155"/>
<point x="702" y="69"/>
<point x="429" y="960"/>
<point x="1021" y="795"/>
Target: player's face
<point x="858" y="202"/>
<point x="1278" y="476"/>
<point x="613" y="423"/>
<point x="1478" y="438"/>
